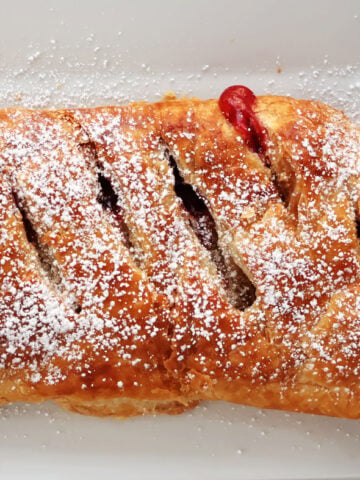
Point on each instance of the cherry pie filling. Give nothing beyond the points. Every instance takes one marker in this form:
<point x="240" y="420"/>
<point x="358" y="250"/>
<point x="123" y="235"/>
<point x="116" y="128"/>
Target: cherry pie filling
<point x="237" y="104"/>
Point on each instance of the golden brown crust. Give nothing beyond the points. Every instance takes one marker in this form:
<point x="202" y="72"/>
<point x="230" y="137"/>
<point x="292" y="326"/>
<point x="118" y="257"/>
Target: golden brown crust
<point x="128" y="307"/>
<point x="102" y="330"/>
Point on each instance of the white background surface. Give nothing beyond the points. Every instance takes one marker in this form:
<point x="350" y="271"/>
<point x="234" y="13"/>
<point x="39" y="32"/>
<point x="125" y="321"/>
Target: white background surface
<point x="86" y="53"/>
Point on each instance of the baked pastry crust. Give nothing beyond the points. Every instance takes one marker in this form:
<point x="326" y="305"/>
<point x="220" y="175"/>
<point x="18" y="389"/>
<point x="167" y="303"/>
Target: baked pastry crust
<point x="120" y="298"/>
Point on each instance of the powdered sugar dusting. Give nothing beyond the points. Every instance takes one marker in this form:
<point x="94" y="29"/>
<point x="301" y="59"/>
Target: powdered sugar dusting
<point x="118" y="311"/>
<point x="297" y="255"/>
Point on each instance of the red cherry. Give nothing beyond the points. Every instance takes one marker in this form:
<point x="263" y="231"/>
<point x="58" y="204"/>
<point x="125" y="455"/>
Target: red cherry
<point x="236" y="103"/>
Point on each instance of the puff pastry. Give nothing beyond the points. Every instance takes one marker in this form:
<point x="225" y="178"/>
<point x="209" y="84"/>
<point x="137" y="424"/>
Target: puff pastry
<point x="155" y="255"/>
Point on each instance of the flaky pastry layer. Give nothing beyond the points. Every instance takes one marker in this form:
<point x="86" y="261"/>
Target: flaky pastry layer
<point x="150" y="258"/>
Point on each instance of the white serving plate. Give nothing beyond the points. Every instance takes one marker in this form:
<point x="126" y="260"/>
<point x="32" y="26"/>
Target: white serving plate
<point x="86" y="53"/>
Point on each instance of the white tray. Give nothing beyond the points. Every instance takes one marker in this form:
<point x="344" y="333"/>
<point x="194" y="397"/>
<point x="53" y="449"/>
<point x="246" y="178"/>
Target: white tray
<point x="85" y="53"/>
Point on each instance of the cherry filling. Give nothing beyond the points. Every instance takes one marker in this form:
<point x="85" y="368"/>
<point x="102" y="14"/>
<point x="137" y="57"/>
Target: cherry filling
<point x="109" y="201"/>
<point x="237" y="103"/>
<point x="240" y="291"/>
<point x="203" y="223"/>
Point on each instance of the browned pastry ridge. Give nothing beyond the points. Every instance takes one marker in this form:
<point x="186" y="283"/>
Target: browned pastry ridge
<point x="149" y="258"/>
